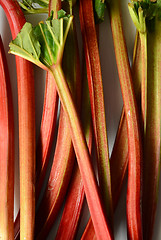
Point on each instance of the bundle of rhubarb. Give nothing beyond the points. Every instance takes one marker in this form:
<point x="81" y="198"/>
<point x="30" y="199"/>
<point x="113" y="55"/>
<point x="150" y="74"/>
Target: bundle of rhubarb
<point x="58" y="172"/>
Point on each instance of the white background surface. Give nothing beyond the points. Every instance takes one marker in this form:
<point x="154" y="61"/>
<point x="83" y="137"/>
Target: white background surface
<point x="113" y="103"/>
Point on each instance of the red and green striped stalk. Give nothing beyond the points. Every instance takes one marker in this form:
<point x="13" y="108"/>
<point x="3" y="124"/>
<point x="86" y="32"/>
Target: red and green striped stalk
<point x="6" y="151"/>
<point x="26" y="109"/>
<point x="97" y="103"/>
<point x="134" y="223"/>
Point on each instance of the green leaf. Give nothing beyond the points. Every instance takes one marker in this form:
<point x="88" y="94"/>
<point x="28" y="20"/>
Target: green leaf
<point x="26" y="44"/>
<point x="43" y="44"/>
<point x="151" y="9"/>
<point x="30" y="6"/>
<point x="61" y="14"/>
<point x="49" y="40"/>
<point x="99" y="10"/>
<point x="42" y="3"/>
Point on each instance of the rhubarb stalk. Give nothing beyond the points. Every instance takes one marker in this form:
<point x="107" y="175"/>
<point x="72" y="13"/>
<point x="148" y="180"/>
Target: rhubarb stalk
<point x="6" y="151"/>
<point x="134" y="223"/>
<point x="146" y="17"/>
<point x="26" y="109"/>
<point x="97" y="103"/>
<point x="151" y="164"/>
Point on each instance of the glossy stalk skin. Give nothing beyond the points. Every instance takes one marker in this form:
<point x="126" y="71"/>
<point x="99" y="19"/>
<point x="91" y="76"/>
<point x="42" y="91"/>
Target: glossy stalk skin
<point x="134" y="222"/>
<point x="97" y="103"/>
<point x="64" y="157"/>
<point x="83" y="157"/>
<point x="151" y="165"/>
<point x="47" y="130"/>
<point x="6" y="151"/>
<point x="75" y="198"/>
<point x="26" y="109"/>
<point x="119" y="156"/>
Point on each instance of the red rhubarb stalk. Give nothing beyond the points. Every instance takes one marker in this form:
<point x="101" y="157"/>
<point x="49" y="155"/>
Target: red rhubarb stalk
<point x="134" y="223"/>
<point x="97" y="103"/>
<point x="26" y="109"/>
<point x="44" y="146"/>
<point x="6" y="151"/>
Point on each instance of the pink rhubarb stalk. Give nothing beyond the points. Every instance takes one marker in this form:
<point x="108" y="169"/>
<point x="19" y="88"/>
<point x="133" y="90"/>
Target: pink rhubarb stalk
<point x="26" y="109"/>
<point x="6" y="151"/>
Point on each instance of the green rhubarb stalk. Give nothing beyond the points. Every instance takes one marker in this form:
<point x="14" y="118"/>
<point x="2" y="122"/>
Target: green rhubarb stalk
<point x="151" y="164"/>
<point x="151" y="50"/>
<point x="134" y="223"/>
<point x="47" y="52"/>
